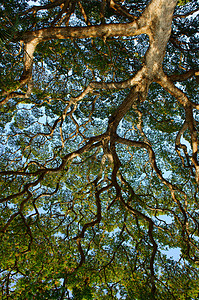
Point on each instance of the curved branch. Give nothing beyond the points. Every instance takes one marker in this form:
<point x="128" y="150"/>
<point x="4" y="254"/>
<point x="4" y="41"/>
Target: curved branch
<point x="42" y="7"/>
<point x="184" y="76"/>
<point x="191" y="124"/>
<point x="182" y="146"/>
<point x="151" y="157"/>
<point x="105" y="30"/>
<point x="163" y="80"/>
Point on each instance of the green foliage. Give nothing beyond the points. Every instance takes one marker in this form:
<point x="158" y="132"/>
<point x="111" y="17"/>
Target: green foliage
<point x="82" y="293"/>
<point x="82" y="212"/>
<point x="183" y="2"/>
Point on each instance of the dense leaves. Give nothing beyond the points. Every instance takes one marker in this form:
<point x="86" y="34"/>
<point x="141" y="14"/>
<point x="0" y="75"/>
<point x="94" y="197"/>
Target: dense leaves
<point x="97" y="194"/>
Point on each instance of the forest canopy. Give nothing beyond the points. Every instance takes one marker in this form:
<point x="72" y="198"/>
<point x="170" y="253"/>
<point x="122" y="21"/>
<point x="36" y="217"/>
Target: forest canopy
<point x="99" y="167"/>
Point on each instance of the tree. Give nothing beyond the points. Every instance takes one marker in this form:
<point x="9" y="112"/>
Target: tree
<point x="99" y="156"/>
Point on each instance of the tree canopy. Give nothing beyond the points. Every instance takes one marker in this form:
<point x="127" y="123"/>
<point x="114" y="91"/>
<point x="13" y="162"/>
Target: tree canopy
<point x="99" y="166"/>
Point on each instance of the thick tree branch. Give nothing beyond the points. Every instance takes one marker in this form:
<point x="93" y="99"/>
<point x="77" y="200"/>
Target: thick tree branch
<point x="168" y="85"/>
<point x="182" y="77"/>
